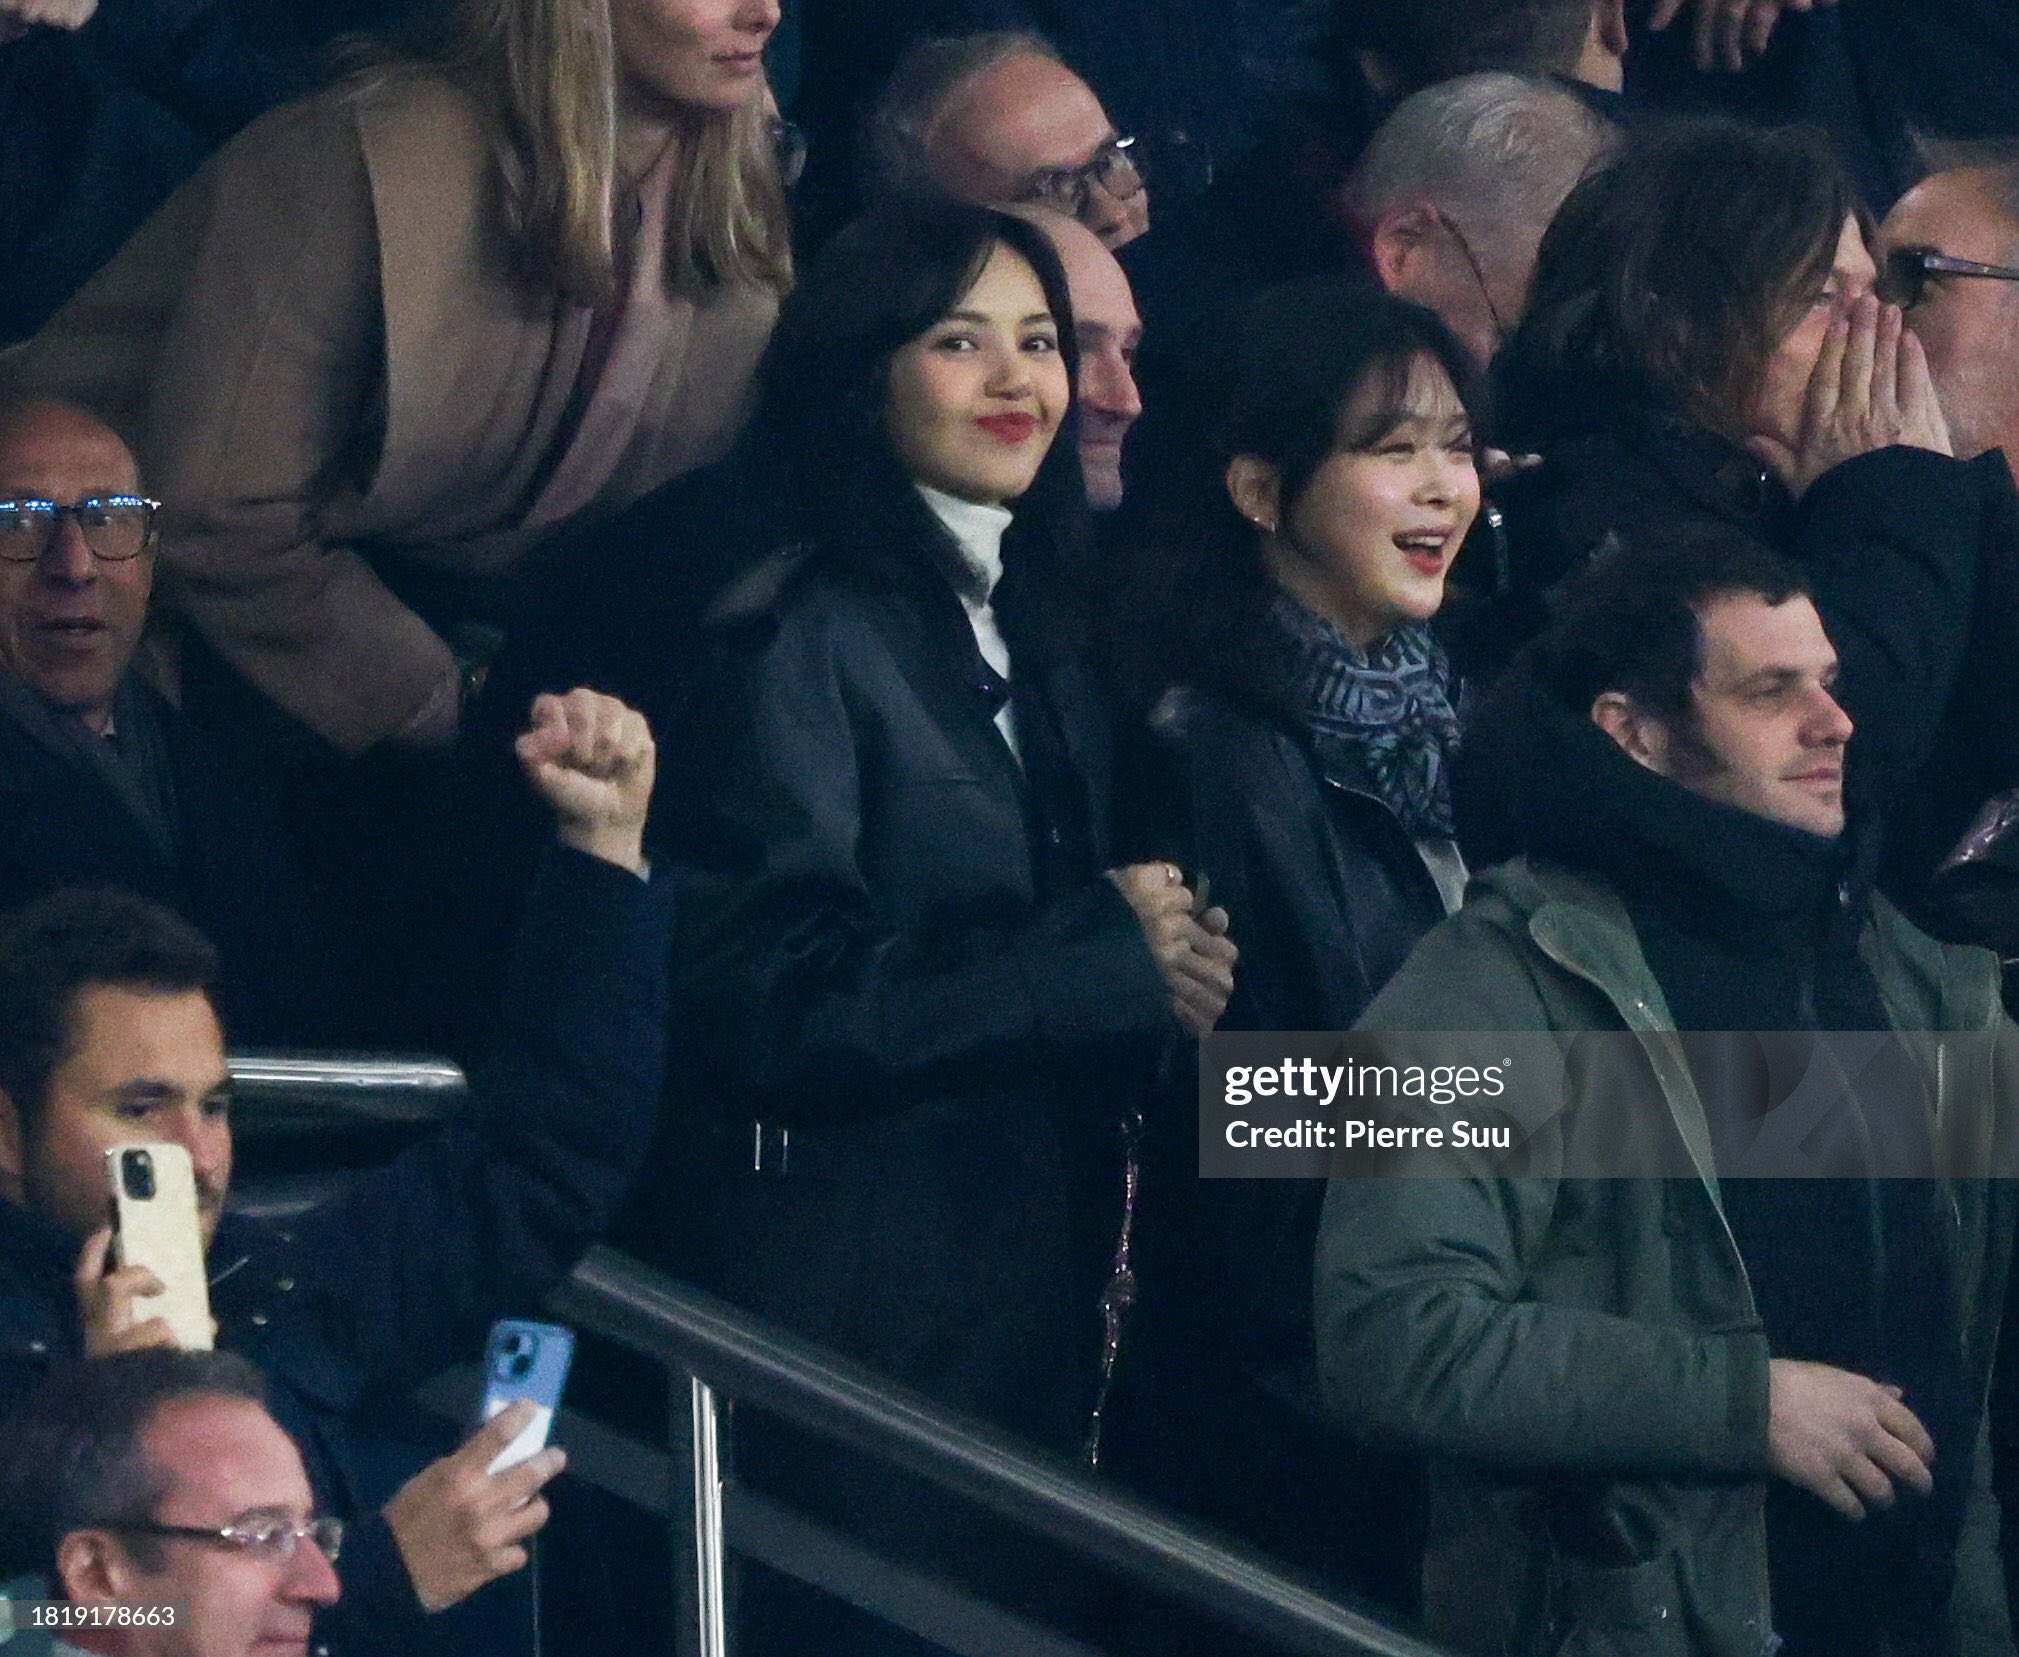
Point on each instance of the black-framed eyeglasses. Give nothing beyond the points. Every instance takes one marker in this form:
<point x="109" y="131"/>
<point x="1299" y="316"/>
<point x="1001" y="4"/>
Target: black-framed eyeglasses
<point x="1909" y="270"/>
<point x="273" y="1540"/>
<point x="115" y="528"/>
<point x="1449" y="225"/>
<point x="1117" y="167"/>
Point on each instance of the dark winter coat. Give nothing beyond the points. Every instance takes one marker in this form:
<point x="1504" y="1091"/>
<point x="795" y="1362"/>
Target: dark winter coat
<point x="1912" y="556"/>
<point x="233" y="876"/>
<point x="1586" y="1360"/>
<point x="1326" y="895"/>
<point x="360" y="1298"/>
<point x="899" y="954"/>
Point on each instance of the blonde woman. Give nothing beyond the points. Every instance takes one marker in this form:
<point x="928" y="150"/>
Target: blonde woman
<point x="396" y="331"/>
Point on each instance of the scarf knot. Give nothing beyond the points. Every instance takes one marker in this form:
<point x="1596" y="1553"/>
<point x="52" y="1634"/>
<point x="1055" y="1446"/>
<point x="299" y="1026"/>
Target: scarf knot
<point x="1381" y="719"/>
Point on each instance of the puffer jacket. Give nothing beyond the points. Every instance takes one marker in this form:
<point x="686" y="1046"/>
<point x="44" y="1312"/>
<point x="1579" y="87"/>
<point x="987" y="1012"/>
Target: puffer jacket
<point x="1598" y="1407"/>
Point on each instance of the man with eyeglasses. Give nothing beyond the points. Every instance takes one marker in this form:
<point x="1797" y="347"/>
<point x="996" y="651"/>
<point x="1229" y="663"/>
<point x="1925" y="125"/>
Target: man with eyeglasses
<point x="1949" y="255"/>
<point x="1454" y="191"/>
<point x="166" y="1510"/>
<point x="109" y="1035"/>
<point x="106" y="784"/>
<point x="998" y="119"/>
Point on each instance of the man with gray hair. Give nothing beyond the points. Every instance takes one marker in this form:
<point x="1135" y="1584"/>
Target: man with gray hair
<point x="997" y="118"/>
<point x="1455" y="190"/>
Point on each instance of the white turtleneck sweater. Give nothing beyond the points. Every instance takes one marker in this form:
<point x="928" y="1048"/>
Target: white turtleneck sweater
<point x="978" y="530"/>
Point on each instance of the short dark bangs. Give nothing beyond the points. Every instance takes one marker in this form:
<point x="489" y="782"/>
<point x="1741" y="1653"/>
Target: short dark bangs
<point x="1382" y="400"/>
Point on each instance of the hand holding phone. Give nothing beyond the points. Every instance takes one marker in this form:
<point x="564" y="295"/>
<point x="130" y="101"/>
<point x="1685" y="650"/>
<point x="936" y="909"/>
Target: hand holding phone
<point x="529" y="1361"/>
<point x="458" y="1524"/>
<point x="156" y="1229"/>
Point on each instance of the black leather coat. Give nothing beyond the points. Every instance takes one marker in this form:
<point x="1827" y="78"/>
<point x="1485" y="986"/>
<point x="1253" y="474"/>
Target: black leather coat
<point x="1326" y="895"/>
<point x="899" y="953"/>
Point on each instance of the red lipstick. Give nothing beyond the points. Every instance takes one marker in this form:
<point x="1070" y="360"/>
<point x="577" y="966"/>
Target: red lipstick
<point x="1011" y="429"/>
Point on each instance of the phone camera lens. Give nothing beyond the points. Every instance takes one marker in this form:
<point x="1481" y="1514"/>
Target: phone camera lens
<point x="519" y="1365"/>
<point x="137" y="1171"/>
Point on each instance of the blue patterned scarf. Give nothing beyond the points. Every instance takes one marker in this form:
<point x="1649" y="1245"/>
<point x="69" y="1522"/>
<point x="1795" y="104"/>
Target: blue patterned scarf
<point x="1381" y="719"/>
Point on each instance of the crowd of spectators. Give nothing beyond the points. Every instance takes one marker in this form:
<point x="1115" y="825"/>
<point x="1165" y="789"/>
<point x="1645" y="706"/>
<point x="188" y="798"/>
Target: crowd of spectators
<point x="730" y="566"/>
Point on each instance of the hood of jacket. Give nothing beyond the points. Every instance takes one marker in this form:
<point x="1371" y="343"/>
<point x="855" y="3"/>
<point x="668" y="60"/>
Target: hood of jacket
<point x="1537" y="779"/>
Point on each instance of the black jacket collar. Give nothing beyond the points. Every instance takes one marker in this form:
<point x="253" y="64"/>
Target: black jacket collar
<point x="1536" y="779"/>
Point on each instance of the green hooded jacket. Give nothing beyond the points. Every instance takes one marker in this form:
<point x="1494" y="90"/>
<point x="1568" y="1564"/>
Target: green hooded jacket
<point x="1581" y="1360"/>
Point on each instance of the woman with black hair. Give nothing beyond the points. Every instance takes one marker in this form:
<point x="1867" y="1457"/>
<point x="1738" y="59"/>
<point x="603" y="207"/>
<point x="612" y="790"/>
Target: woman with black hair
<point x="1310" y="742"/>
<point x="1703" y="345"/>
<point x="918" y="995"/>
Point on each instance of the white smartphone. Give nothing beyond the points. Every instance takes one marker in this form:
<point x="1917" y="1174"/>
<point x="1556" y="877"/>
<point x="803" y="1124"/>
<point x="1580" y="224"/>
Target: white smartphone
<point x="155" y="1224"/>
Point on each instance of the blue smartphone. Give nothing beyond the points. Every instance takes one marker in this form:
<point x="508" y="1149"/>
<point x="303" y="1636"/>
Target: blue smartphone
<point x="525" y="1360"/>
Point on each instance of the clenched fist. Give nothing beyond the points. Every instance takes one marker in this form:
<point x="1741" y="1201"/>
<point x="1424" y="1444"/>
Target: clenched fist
<point x="592" y="759"/>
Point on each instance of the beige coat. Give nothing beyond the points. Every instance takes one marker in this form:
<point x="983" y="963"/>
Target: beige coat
<point x="321" y="356"/>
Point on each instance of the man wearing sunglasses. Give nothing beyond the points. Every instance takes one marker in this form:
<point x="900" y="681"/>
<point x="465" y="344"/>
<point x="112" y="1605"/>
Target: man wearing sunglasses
<point x="106" y="784"/>
<point x="167" y="1511"/>
<point x="1949" y="255"/>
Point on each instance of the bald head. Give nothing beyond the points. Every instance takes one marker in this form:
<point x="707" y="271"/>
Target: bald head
<point x="37" y="420"/>
<point x="71" y="608"/>
<point x="1107" y="331"/>
<point x="1967" y="325"/>
<point x="1021" y="124"/>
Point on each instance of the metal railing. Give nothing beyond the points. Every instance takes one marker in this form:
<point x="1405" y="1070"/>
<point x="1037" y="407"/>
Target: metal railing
<point x="725" y="1353"/>
<point x="304" y="1091"/>
<point x="715" y="1353"/>
<point x="305" y="1121"/>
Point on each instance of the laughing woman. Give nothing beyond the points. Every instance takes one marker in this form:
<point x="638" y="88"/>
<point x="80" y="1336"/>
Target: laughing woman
<point x="919" y="993"/>
<point x="1311" y="741"/>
